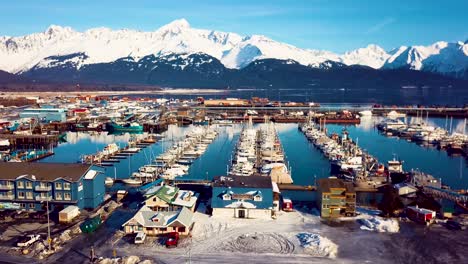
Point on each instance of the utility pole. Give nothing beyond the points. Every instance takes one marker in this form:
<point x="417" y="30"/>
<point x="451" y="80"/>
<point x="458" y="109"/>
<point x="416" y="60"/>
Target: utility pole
<point x="49" y="240"/>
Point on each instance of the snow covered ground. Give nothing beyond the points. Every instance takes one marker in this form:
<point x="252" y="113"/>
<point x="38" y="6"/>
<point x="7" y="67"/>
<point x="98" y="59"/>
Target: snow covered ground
<point x="295" y="237"/>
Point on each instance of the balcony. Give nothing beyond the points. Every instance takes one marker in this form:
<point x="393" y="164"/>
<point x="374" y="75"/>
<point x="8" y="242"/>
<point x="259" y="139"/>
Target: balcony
<point x="7" y="197"/>
<point x="6" y="187"/>
<point x="40" y="188"/>
<point x="43" y="199"/>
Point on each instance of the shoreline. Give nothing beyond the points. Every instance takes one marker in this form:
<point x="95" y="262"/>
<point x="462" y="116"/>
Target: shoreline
<point x="96" y="93"/>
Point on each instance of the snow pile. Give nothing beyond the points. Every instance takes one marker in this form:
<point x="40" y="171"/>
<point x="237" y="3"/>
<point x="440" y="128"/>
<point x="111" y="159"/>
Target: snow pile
<point x="379" y="224"/>
<point x="65" y="236"/>
<point x="124" y="260"/>
<point x="318" y="245"/>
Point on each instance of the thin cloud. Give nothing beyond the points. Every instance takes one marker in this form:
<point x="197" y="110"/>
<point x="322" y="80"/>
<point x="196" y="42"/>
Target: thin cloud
<point x="379" y="26"/>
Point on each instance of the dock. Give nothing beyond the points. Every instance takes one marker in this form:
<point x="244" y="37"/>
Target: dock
<point x="313" y="188"/>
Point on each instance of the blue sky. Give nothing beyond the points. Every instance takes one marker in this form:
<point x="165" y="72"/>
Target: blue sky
<point x="317" y="24"/>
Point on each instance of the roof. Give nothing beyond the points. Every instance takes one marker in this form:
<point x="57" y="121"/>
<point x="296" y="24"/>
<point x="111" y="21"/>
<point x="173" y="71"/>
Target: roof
<point x="326" y="184"/>
<point x="263" y="182"/>
<point x="182" y="195"/>
<point x="167" y="193"/>
<point x="70" y="208"/>
<point x="149" y="218"/>
<point x="43" y="171"/>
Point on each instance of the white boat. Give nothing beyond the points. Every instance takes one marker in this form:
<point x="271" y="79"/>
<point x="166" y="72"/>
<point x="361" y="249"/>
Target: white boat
<point x="365" y="113"/>
<point x="108" y="181"/>
<point x="395" y="114"/>
<point x="131" y="181"/>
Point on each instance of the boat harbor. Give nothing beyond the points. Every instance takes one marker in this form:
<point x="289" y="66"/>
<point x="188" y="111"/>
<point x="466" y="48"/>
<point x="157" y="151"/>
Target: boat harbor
<point x="245" y="163"/>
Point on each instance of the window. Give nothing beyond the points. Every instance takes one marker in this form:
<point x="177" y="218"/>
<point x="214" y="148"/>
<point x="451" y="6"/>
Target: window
<point x="31" y="206"/>
<point x="182" y="229"/>
<point x="58" y="185"/>
<point x="67" y="196"/>
<point x="326" y="196"/>
<point x="58" y="196"/>
<point x="20" y="184"/>
<point x="227" y="197"/>
<point x="258" y="198"/>
<point x="22" y="205"/>
<point x="29" y="195"/>
<point x="28" y="185"/>
<point x="66" y="186"/>
<point x="20" y="195"/>
<point x="325" y="206"/>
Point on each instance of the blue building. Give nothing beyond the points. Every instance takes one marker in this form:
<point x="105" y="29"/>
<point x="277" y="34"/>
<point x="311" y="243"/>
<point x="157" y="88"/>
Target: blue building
<point x="30" y="185"/>
<point x="45" y="114"/>
<point x="242" y="197"/>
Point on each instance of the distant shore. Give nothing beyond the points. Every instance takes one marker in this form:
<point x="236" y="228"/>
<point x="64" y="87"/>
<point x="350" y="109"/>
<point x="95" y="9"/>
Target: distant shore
<point x="110" y="93"/>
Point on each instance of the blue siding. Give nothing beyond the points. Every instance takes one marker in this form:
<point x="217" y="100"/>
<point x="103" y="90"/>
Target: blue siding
<point x="86" y="193"/>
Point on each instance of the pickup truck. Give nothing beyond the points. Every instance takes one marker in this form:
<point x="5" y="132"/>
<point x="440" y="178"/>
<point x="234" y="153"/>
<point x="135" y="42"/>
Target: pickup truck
<point x="28" y="240"/>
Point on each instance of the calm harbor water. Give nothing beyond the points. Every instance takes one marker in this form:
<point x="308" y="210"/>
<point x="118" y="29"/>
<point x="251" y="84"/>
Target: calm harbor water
<point x="306" y="162"/>
<point x="345" y="95"/>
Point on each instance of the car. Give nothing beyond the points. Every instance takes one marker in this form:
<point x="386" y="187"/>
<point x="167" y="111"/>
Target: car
<point x="140" y="238"/>
<point x="172" y="239"/>
<point x="28" y="240"/>
<point x="453" y="225"/>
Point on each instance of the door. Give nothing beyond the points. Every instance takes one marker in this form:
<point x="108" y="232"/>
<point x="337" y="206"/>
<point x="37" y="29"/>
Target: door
<point x="241" y="213"/>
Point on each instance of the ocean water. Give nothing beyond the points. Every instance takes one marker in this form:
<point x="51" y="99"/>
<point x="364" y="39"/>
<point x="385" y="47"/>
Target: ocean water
<point x="377" y="95"/>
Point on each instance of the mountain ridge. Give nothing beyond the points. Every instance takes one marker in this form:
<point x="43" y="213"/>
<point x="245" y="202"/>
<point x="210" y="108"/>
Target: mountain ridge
<point x="103" y="45"/>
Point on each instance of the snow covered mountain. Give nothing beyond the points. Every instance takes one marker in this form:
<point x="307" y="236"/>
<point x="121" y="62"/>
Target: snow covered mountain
<point x="441" y="57"/>
<point x="61" y="48"/>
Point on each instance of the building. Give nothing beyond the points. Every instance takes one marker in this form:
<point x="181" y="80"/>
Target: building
<point x="405" y="188"/>
<point x="420" y="215"/>
<point x="30" y="185"/>
<point x="157" y="223"/>
<point x="242" y="197"/>
<point x="169" y="198"/>
<point x="226" y="102"/>
<point x="336" y="198"/>
<point x="45" y="114"/>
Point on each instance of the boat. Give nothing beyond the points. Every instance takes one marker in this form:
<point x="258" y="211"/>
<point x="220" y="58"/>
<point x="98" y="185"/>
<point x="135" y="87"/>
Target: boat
<point x="395" y="114"/>
<point x="365" y="113"/>
<point x="132" y="181"/>
<point x="127" y="127"/>
<point x="108" y="181"/>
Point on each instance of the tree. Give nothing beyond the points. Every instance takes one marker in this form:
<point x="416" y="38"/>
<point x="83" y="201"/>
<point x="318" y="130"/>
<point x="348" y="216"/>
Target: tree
<point x="391" y="201"/>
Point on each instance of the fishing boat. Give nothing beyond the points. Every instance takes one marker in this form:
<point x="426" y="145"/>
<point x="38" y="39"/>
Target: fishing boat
<point x="127" y="127"/>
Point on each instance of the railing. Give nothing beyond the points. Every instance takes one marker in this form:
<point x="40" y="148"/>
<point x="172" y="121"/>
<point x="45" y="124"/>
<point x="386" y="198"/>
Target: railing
<point x="6" y="187"/>
<point x="40" y="198"/>
<point x="7" y="197"/>
<point x="40" y="188"/>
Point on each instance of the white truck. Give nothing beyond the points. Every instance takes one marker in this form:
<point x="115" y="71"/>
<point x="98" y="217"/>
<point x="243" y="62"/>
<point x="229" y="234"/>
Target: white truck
<point x="28" y="240"/>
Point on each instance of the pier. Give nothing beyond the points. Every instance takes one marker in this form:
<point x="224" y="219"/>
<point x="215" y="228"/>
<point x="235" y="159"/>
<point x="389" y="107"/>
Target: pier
<point x="18" y="141"/>
<point x="432" y="111"/>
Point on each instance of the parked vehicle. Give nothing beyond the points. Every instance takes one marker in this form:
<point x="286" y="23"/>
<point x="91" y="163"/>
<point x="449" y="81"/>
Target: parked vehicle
<point x="140" y="238"/>
<point x="68" y="214"/>
<point x="28" y="240"/>
<point x="172" y="239"/>
<point x="453" y="225"/>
